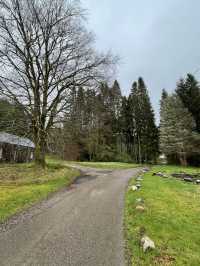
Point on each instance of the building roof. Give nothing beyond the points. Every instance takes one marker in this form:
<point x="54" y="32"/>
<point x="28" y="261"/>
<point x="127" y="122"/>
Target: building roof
<point x="15" y="140"/>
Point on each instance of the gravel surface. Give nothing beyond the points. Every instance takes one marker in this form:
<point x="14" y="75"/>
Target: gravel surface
<point x="80" y="226"/>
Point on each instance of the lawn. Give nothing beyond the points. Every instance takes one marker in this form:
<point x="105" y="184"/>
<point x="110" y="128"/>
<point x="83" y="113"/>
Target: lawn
<point x="171" y="219"/>
<point x="21" y="185"/>
<point x="108" y="165"/>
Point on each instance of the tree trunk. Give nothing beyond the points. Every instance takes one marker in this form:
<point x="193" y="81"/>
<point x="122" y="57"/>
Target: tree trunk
<point x="40" y="148"/>
<point x="139" y="150"/>
<point x="183" y="159"/>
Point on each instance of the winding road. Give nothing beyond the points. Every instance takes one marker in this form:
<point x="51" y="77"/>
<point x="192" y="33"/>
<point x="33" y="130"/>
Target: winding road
<point x="79" y="226"/>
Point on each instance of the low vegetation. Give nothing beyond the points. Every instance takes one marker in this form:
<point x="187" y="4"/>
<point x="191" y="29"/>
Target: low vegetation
<point x="23" y="184"/>
<point x="108" y="165"/>
<point x="171" y="219"/>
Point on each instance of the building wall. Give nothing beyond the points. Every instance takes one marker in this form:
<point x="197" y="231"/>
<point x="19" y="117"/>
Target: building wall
<point x="14" y="153"/>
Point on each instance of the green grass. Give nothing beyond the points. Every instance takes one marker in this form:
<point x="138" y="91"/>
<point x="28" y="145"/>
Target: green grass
<point x="21" y="185"/>
<point x="108" y="165"/>
<point x="171" y="219"/>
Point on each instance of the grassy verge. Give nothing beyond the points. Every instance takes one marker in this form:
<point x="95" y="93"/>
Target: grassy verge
<point x="171" y="219"/>
<point x="22" y="185"/>
<point x="108" y="165"/>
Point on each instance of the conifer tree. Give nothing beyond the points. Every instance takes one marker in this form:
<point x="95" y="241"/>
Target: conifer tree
<point x="144" y="130"/>
<point x="189" y="91"/>
<point x="176" y="129"/>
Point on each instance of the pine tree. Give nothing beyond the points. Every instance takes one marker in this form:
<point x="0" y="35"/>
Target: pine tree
<point x="189" y="92"/>
<point x="14" y="119"/>
<point x="144" y="130"/>
<point x="176" y="128"/>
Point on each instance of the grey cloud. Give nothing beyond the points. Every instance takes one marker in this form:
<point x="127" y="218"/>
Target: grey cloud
<point x="159" y="40"/>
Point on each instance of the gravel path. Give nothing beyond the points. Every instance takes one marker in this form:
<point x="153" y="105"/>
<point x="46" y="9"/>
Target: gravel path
<point x="80" y="226"/>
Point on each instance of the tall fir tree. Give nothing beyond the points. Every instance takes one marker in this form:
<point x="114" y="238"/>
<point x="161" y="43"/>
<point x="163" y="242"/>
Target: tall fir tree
<point x="144" y="130"/>
<point x="176" y="129"/>
<point x="189" y="92"/>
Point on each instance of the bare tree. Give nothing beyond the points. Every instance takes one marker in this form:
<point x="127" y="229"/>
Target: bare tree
<point x="45" y="50"/>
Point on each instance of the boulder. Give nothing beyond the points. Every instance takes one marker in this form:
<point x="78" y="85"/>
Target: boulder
<point x="134" y="188"/>
<point x="165" y="176"/>
<point x="198" y="181"/>
<point x="140" y="208"/>
<point x="139" y="179"/>
<point x="139" y="200"/>
<point x="138" y="185"/>
<point x="185" y="175"/>
<point x="159" y="174"/>
<point x="188" y="179"/>
<point x="147" y="243"/>
<point x="178" y="175"/>
<point x="145" y="170"/>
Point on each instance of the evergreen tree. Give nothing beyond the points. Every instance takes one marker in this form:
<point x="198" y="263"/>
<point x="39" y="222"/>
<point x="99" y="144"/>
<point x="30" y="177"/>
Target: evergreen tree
<point x="189" y="92"/>
<point x="13" y="119"/>
<point x="176" y="129"/>
<point x="104" y="126"/>
<point x="144" y="130"/>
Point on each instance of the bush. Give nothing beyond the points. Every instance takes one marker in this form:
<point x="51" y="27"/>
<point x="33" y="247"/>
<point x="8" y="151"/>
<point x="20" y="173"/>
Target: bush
<point x="123" y="157"/>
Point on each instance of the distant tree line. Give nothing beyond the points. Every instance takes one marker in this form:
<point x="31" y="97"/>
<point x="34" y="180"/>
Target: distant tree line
<point x="180" y="123"/>
<point x="100" y="124"/>
<point x="54" y="89"/>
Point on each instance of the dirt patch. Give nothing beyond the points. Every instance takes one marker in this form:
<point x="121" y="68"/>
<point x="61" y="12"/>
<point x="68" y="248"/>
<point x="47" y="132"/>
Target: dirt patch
<point x="165" y="260"/>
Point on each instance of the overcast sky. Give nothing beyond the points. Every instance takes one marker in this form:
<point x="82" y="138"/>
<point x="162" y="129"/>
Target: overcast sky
<point x="156" y="39"/>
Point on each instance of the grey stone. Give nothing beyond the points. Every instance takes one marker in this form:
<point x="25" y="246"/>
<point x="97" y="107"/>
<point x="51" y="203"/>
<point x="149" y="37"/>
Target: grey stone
<point x="134" y="188"/>
<point x="139" y="200"/>
<point x="147" y="243"/>
<point x="145" y="170"/>
<point x="188" y="179"/>
<point x="138" y="186"/>
<point x="140" y="208"/>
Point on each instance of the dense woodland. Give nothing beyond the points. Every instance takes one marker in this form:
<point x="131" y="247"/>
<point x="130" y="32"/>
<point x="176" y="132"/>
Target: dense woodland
<point x="103" y="125"/>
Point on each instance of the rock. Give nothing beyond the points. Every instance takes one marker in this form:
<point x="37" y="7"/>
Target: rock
<point x="138" y="185"/>
<point x="145" y="170"/>
<point x="178" y="175"/>
<point x="160" y="174"/>
<point x="165" y="176"/>
<point x="139" y="179"/>
<point x="198" y="181"/>
<point x="140" y="208"/>
<point x="134" y="188"/>
<point x="147" y="243"/>
<point x="188" y="179"/>
<point x="185" y="175"/>
<point x="139" y="200"/>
